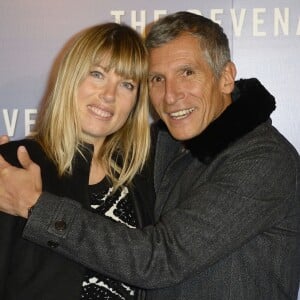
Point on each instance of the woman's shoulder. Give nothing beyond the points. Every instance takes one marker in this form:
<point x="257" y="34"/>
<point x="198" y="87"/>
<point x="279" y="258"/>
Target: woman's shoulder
<point x="9" y="150"/>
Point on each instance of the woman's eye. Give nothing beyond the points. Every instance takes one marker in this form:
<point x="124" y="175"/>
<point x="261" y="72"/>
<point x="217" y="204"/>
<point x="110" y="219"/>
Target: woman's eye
<point x="128" y="86"/>
<point x="96" y="74"/>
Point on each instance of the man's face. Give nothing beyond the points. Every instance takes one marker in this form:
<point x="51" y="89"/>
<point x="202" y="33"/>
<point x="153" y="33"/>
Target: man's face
<point x="183" y="89"/>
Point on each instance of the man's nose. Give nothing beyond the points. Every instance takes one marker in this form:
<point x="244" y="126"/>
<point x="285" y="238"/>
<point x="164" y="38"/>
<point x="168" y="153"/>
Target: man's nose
<point x="173" y="91"/>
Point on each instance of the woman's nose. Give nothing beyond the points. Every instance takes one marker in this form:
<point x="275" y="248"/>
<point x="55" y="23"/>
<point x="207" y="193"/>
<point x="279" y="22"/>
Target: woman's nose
<point x="108" y="93"/>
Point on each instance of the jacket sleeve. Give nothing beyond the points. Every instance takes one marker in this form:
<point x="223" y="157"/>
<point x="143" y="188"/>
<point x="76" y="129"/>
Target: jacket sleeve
<point x="246" y="195"/>
<point x="11" y="227"/>
<point x="8" y="236"/>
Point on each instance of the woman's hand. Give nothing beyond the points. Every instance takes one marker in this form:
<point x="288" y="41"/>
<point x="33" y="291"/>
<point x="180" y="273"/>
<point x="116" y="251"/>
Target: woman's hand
<point x="4" y="139"/>
<point x="20" y="188"/>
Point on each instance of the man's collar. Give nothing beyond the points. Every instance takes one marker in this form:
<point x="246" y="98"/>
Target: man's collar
<point x="252" y="105"/>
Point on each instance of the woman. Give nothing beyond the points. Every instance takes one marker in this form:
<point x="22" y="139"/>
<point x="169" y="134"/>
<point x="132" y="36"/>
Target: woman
<point x="91" y="138"/>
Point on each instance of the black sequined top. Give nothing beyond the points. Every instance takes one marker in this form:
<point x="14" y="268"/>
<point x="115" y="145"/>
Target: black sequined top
<point x="119" y="208"/>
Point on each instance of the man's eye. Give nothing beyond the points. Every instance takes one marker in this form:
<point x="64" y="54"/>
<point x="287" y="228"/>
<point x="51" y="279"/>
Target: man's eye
<point x="188" y="72"/>
<point x="96" y="74"/>
<point x="156" y="79"/>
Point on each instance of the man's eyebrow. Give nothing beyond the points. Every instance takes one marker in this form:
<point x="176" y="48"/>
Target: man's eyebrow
<point x="151" y="74"/>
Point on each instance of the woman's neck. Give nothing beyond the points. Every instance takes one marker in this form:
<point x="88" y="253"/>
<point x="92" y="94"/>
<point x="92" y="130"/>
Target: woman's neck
<point x="97" y="172"/>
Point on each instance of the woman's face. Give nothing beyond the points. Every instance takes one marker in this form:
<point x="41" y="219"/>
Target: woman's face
<point x="105" y="100"/>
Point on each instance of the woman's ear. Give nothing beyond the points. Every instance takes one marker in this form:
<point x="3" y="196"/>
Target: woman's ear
<point x="227" y="78"/>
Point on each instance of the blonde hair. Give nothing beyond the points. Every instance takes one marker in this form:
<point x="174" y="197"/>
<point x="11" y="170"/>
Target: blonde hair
<point x="58" y="128"/>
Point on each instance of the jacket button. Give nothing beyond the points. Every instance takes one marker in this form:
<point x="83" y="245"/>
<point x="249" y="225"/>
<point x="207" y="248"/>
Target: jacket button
<point x="60" y="225"/>
<point x="52" y="244"/>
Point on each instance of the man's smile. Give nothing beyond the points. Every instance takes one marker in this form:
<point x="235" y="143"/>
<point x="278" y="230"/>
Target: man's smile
<point x="181" y="114"/>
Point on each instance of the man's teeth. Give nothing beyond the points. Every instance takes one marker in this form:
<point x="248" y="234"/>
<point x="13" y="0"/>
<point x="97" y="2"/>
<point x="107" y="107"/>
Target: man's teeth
<point x="100" y="112"/>
<point x="181" y="113"/>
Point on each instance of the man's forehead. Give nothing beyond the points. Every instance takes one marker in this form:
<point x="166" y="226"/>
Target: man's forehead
<point x="179" y="48"/>
<point x="178" y="60"/>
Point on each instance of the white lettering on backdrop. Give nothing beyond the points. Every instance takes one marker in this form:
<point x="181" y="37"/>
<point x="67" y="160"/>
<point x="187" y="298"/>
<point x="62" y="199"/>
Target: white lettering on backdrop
<point x="282" y="24"/>
<point x="10" y="119"/>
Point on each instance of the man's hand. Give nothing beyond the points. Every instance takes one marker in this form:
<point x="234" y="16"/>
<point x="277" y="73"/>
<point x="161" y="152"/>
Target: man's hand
<point x="19" y="188"/>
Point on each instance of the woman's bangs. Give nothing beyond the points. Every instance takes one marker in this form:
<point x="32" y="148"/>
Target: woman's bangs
<point x="126" y="61"/>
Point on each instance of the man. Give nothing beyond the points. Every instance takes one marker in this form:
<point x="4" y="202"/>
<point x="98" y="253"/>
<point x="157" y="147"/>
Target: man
<point x="226" y="182"/>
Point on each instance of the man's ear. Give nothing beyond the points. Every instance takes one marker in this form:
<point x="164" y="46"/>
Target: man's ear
<point x="227" y="78"/>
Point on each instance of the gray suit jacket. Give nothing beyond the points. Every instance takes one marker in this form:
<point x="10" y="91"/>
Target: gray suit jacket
<point x="227" y="215"/>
